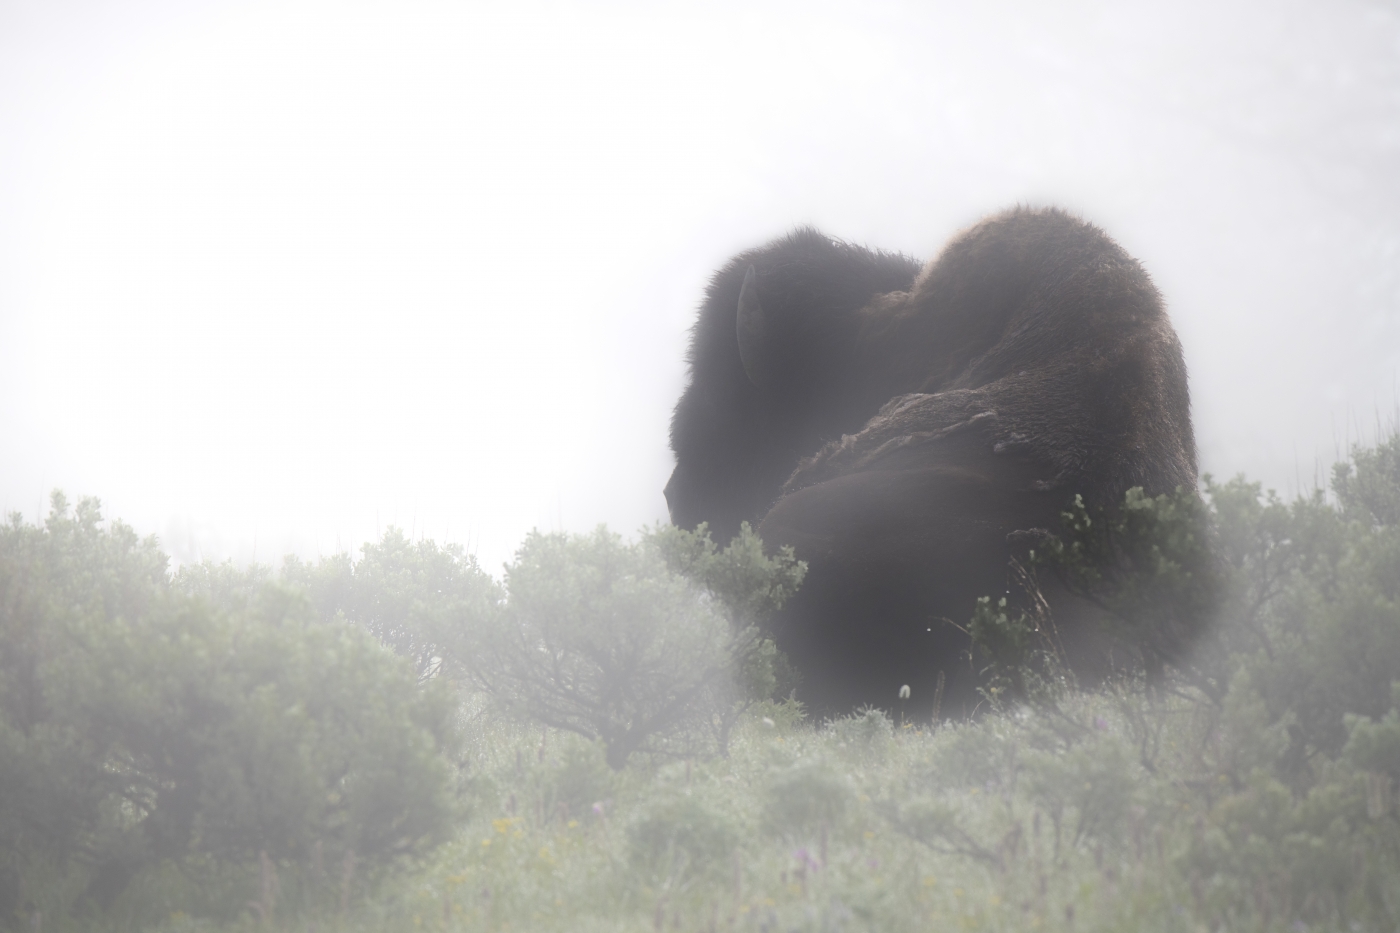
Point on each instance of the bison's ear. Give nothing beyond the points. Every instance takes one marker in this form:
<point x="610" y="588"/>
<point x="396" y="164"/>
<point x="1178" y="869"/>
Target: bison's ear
<point x="752" y="331"/>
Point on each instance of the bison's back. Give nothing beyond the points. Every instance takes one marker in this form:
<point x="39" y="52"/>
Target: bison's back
<point x="1041" y="318"/>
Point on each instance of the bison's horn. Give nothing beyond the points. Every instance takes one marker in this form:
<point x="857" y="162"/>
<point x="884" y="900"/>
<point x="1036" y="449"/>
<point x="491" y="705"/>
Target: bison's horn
<point x="752" y="330"/>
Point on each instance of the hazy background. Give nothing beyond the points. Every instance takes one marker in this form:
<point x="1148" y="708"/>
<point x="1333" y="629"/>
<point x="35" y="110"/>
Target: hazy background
<point x="274" y="276"/>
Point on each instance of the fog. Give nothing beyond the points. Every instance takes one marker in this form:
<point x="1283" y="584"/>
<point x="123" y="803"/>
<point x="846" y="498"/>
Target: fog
<point x="274" y="276"/>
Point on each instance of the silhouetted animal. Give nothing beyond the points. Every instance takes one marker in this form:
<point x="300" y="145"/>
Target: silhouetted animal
<point x="896" y="424"/>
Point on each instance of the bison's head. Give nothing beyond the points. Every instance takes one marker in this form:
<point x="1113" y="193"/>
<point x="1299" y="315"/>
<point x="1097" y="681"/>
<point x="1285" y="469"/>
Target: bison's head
<point x="770" y="363"/>
<point x="735" y="439"/>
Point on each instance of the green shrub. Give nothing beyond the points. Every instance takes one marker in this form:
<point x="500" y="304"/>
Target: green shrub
<point x="1150" y="566"/>
<point x="1374" y="744"/>
<point x="681" y="833"/>
<point x="748" y="583"/>
<point x="749" y="586"/>
<point x="413" y="597"/>
<point x="1089" y="788"/>
<point x="573" y="782"/>
<point x="607" y="640"/>
<point x="1314" y="613"/>
<point x="1317" y="858"/>
<point x="1368" y="486"/>
<point x="147" y="724"/>
<point x="806" y="796"/>
<point x="869" y="731"/>
<point x="1018" y="655"/>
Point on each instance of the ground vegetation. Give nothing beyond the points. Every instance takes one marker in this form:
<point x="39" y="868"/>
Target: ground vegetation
<point x="256" y="756"/>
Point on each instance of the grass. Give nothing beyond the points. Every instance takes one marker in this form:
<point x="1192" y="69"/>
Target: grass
<point x="1088" y="818"/>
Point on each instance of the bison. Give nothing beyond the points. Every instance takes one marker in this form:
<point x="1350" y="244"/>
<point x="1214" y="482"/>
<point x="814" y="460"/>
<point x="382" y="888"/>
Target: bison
<point x="897" y="425"/>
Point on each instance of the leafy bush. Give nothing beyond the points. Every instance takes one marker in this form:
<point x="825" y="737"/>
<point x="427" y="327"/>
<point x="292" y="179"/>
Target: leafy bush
<point x="749" y="586"/>
<point x="574" y="782"/>
<point x="1150" y="566"/>
<point x="411" y="596"/>
<point x="868" y="730"/>
<point x="1021" y="654"/>
<point x="806" y="798"/>
<point x="607" y="640"/>
<point x="1368" y="487"/>
<point x="1149" y="586"/>
<point x="145" y="723"/>
<point x="1374" y="745"/>
<point x="679" y="834"/>
<point x="1314" y="616"/>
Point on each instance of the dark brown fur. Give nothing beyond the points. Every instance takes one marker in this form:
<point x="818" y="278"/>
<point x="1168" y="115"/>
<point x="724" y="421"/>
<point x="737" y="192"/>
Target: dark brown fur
<point x="912" y="422"/>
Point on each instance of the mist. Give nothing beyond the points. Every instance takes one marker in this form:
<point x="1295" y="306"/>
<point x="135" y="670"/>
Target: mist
<point x="275" y="276"/>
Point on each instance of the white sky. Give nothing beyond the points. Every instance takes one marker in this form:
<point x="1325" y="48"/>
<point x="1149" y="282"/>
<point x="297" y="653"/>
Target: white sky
<point x="274" y="276"/>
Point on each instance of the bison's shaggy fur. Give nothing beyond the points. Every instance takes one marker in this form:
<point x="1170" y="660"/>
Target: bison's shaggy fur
<point x="896" y="424"/>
